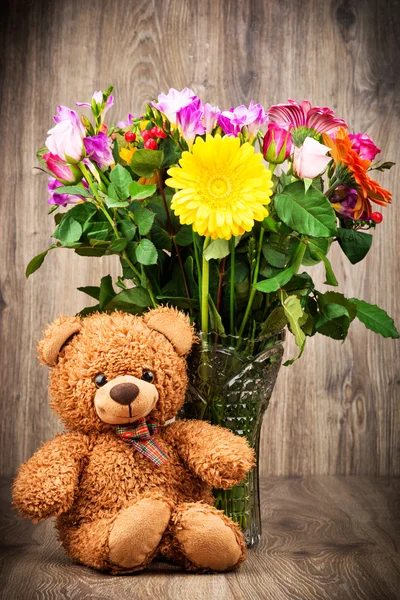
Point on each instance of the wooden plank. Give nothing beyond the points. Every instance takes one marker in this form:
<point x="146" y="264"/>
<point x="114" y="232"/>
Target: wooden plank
<point x="325" y="538"/>
<point x="334" y="412"/>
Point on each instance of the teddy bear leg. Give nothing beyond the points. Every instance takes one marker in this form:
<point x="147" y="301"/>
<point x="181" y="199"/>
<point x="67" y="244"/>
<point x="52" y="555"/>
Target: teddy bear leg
<point x="125" y="542"/>
<point x="202" y="538"/>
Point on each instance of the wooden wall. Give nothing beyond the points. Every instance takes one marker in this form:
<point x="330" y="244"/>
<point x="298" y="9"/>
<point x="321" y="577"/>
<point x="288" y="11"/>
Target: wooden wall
<point x="336" y="411"/>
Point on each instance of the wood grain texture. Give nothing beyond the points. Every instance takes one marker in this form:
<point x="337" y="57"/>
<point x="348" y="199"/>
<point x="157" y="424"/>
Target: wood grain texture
<point x="325" y="538"/>
<point x="336" y="411"/>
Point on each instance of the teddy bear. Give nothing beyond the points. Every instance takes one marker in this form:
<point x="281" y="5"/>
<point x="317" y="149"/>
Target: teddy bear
<point x="126" y="481"/>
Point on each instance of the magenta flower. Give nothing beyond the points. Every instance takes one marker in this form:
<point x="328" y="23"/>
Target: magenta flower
<point x="364" y="146"/>
<point x="61" y="199"/>
<point x="98" y="148"/>
<point x="190" y="121"/>
<point x="65" y="139"/>
<point x="232" y="121"/>
<point x="170" y="104"/>
<point x="64" y="172"/>
<point x="128" y="123"/>
<point x="294" y="115"/>
<point x="277" y="144"/>
<point x="210" y="117"/>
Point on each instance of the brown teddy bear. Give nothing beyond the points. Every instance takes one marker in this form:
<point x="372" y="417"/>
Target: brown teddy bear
<point x="126" y="487"/>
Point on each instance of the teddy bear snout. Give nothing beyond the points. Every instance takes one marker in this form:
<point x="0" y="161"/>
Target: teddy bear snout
<point x="124" y="393"/>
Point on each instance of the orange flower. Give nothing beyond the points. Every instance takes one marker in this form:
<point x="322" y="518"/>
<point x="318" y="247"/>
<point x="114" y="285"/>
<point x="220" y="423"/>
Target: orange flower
<point x="342" y="152"/>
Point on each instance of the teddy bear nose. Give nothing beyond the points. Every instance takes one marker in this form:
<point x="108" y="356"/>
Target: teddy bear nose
<point x="124" y="393"/>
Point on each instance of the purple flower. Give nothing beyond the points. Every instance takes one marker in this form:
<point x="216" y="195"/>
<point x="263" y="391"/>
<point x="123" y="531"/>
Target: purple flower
<point x="210" y="117"/>
<point x="277" y="144"/>
<point x="190" y="121"/>
<point x="294" y="115"/>
<point x="364" y="146"/>
<point x="62" y="170"/>
<point x="234" y="119"/>
<point x="61" y="199"/>
<point x="98" y="148"/>
<point x="170" y="104"/>
<point x="344" y="201"/>
<point x="98" y="98"/>
<point x="128" y="123"/>
<point x="65" y="139"/>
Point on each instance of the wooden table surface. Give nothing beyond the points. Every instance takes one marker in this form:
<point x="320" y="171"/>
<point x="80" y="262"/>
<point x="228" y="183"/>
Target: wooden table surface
<point x="333" y="538"/>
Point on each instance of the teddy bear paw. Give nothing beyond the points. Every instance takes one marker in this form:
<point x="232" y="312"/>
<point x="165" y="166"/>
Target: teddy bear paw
<point x="208" y="542"/>
<point x="136" y="533"/>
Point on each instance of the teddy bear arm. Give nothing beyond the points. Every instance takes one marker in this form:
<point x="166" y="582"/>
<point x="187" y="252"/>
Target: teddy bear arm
<point x="216" y="455"/>
<point x="46" y="484"/>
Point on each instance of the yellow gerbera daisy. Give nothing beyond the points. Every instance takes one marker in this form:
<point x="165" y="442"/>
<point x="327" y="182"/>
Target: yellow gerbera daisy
<point x="223" y="187"/>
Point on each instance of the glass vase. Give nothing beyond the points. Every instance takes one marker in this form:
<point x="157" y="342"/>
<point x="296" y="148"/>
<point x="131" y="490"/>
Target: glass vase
<point x="230" y="384"/>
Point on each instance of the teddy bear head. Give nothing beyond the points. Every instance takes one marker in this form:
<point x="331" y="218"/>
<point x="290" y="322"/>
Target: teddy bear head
<point x="113" y="369"/>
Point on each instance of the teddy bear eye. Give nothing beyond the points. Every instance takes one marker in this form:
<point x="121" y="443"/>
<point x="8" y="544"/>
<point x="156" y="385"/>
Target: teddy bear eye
<point x="148" y="376"/>
<point x="100" y="380"/>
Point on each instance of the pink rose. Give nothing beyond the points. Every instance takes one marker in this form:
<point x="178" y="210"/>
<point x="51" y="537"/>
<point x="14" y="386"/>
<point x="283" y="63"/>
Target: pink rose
<point x="309" y="161"/>
<point x="277" y="144"/>
<point x="65" y="139"/>
<point x="364" y="146"/>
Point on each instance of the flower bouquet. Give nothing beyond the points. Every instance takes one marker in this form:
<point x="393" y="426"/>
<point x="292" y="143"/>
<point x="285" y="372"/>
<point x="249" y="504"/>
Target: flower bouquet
<point x="216" y="213"/>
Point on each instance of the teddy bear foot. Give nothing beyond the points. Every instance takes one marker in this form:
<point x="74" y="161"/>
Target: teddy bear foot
<point x="204" y="539"/>
<point x="136" y="533"/>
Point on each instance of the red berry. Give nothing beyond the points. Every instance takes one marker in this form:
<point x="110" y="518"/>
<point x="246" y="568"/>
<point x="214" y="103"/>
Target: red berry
<point x="158" y="132"/>
<point x="130" y="136"/>
<point x="376" y="217"/>
<point x="146" y="134"/>
<point x="151" y="144"/>
<point x="104" y="128"/>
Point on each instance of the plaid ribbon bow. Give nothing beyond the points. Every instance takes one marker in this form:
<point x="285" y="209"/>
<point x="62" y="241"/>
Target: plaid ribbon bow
<point x="139" y="435"/>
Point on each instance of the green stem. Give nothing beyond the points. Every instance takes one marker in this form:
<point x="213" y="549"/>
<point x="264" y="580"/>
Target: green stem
<point x="271" y="167"/>
<point x="253" y="289"/>
<point x="197" y="259"/>
<point x="232" y="289"/>
<point x="332" y="188"/>
<point x="204" y="288"/>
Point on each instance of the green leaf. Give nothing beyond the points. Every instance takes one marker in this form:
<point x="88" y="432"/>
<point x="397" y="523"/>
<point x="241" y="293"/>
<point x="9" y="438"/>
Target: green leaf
<point x="308" y="212"/>
<point x="111" y="203"/>
<point x="275" y="283"/>
<point x="375" y="318"/>
<point x="383" y="166"/>
<point x="115" y="152"/>
<point x="329" y="274"/>
<point x="321" y="245"/>
<point x="274" y="252"/>
<point x="119" y="244"/>
<point x="337" y="298"/>
<point x="216" y="324"/>
<point x="355" y="244"/>
<point x="37" y="261"/>
<point x="276" y="320"/>
<point x="68" y="231"/>
<point x="217" y="249"/>
<point x="161" y="238"/>
<point x="121" y="180"/>
<point x="91" y="290"/>
<point x="294" y="314"/>
<point x="139" y="191"/>
<point x="112" y="193"/>
<point x="334" y="321"/>
<point x="98" y="231"/>
<point x="106" y="291"/>
<point x="128" y="229"/>
<point x="87" y="251"/>
<point x="130" y="299"/>
<point x="74" y="190"/>
<point x="184" y="236"/>
<point x="145" y="162"/>
<point x="146" y="252"/>
<point x="144" y="217"/>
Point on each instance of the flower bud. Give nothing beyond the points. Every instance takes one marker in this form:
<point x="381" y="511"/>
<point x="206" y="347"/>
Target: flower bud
<point x="277" y="144"/>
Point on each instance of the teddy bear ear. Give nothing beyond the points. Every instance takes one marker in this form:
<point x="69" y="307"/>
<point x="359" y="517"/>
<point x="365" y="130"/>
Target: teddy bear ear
<point x="55" y="337"/>
<point x="174" y="325"/>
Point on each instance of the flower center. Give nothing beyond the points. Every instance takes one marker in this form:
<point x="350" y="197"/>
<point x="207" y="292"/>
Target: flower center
<point x="219" y="187"/>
